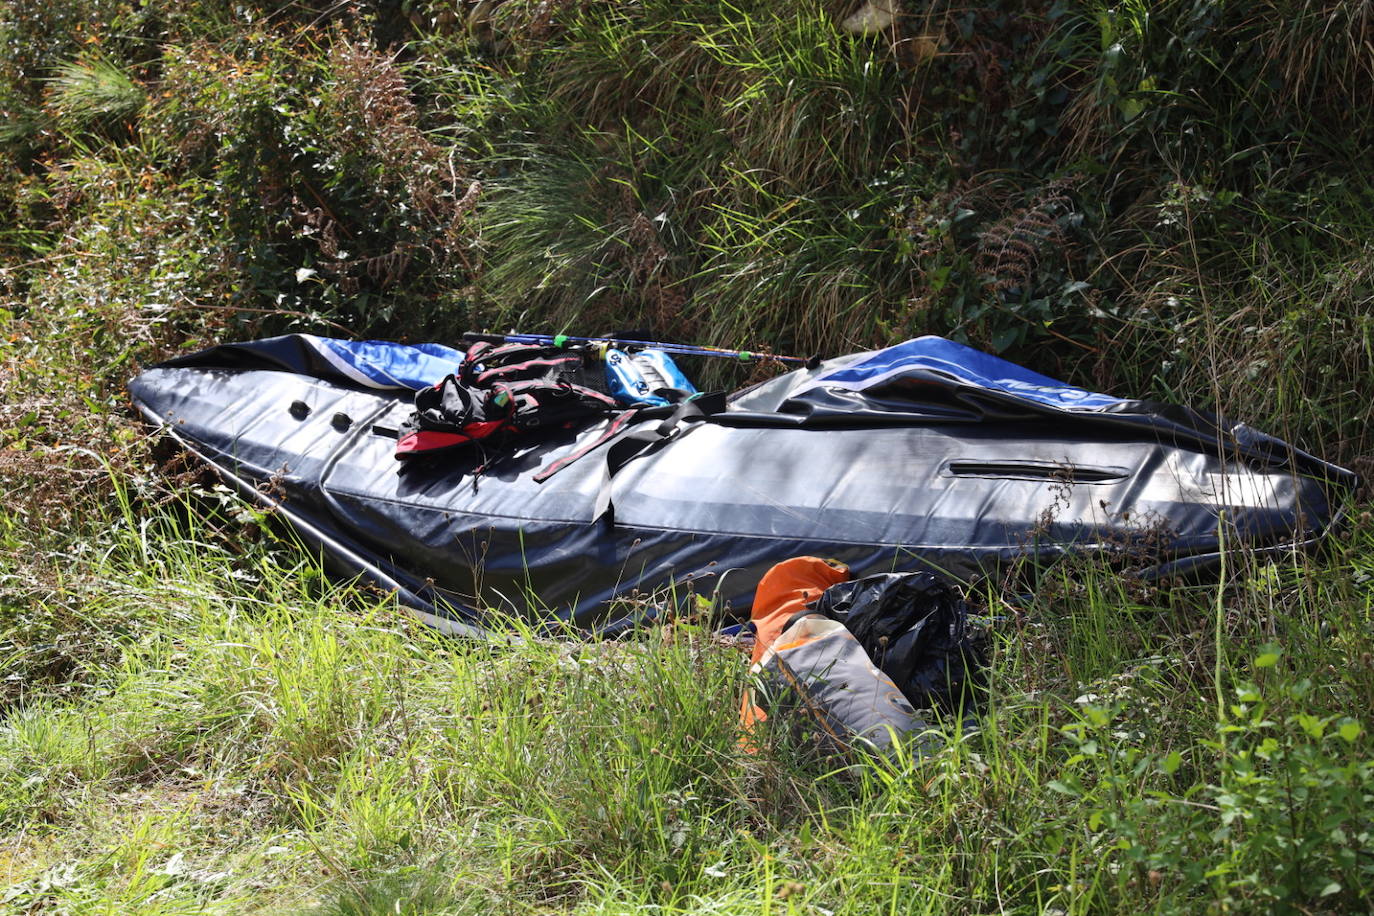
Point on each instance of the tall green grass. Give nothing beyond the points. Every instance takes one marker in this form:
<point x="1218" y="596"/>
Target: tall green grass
<point x="261" y="742"/>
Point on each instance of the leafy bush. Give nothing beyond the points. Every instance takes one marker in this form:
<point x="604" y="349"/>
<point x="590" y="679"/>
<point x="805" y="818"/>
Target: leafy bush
<point x="336" y="199"/>
<point x="1280" y="816"/>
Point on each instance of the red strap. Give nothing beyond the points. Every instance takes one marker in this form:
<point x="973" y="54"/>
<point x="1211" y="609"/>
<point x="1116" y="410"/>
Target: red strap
<point x="501" y="372"/>
<point x="537" y="387"/>
<point x="429" y="440"/>
<point x="610" y="433"/>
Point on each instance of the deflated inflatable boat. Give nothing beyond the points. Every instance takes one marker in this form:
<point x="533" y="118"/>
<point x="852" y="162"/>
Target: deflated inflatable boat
<point x="924" y="456"/>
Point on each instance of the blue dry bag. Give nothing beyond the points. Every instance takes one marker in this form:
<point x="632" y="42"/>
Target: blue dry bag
<point x="635" y="379"/>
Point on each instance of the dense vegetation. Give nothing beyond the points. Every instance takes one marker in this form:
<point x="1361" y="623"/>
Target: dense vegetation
<point x="1155" y="199"/>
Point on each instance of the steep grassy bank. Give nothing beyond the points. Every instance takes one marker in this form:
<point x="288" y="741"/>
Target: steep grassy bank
<point x="1164" y="200"/>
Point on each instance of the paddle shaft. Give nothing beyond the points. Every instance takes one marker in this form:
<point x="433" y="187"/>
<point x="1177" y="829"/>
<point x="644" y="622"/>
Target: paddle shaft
<point x="560" y="340"/>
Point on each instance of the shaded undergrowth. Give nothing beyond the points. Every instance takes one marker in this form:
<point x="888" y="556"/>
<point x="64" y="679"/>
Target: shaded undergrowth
<point x="1165" y="201"/>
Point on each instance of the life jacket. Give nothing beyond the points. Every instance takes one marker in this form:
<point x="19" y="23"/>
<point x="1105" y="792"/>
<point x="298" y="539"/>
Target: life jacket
<point x="503" y="391"/>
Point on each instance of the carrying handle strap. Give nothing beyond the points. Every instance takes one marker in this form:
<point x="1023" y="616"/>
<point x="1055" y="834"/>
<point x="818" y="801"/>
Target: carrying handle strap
<point x="646" y="441"/>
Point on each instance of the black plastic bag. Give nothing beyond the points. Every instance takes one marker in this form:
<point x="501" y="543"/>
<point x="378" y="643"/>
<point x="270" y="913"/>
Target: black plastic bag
<point x="915" y="628"/>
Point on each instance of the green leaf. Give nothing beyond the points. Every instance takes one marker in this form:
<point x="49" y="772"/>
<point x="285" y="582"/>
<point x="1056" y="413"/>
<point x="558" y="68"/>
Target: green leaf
<point x="1170" y="764"/>
<point x="1349" y="730"/>
<point x="1332" y="888"/>
<point x="1314" y="726"/>
<point x="1266" y="660"/>
<point x="1129" y="107"/>
<point x="1004" y="338"/>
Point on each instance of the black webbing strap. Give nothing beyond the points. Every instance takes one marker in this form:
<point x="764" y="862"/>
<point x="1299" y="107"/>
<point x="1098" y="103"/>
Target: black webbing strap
<point x="646" y="441"/>
<point x="615" y="429"/>
<point x="641" y="443"/>
<point x="627" y="447"/>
